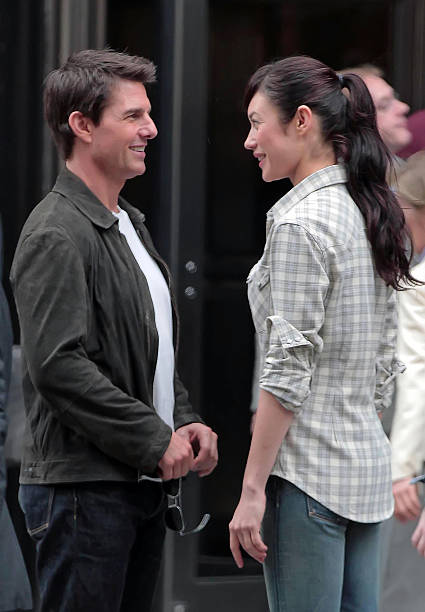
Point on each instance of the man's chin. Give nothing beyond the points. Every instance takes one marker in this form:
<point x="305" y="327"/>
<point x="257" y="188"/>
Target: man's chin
<point x="136" y="172"/>
<point x="404" y="139"/>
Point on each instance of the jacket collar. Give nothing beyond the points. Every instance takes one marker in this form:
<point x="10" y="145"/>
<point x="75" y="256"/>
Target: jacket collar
<point x="331" y="175"/>
<point x="74" y="189"/>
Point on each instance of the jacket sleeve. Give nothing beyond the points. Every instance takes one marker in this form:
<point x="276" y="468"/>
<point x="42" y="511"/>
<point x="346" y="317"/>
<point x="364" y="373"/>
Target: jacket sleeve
<point x="299" y="283"/>
<point x="408" y="429"/>
<point x="387" y="364"/>
<point x="49" y="282"/>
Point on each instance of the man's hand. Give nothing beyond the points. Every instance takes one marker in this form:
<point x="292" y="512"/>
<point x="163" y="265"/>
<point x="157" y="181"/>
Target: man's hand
<point x="203" y="441"/>
<point x="177" y="459"/>
<point x="407" y="504"/>
<point x="418" y="537"/>
<point x="245" y="528"/>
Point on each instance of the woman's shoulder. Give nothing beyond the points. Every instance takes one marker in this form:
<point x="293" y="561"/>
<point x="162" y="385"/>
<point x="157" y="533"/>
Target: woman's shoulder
<point x="329" y="214"/>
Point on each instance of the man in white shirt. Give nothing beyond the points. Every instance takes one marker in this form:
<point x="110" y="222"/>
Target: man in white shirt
<point x="109" y="423"/>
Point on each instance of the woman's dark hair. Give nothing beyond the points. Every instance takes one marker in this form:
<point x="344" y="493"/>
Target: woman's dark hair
<point x="84" y="83"/>
<point x="349" y="122"/>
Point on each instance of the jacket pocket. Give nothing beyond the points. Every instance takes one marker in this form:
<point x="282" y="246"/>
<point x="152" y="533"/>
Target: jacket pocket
<point x="36" y="502"/>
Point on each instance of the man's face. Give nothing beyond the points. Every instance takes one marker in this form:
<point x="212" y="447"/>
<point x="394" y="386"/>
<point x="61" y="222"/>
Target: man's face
<point x="118" y="142"/>
<point x="391" y="114"/>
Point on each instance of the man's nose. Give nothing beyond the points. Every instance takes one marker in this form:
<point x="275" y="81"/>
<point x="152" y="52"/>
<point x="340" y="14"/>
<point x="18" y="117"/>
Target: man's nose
<point x="148" y="129"/>
<point x="403" y="107"/>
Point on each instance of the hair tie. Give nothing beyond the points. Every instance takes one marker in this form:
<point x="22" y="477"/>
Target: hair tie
<point x="340" y="79"/>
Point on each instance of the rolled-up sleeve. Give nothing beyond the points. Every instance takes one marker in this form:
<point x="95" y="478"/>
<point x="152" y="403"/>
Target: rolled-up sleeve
<point x="291" y="336"/>
<point x="387" y="364"/>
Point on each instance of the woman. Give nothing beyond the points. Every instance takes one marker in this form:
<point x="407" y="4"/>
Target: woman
<point x="318" y="473"/>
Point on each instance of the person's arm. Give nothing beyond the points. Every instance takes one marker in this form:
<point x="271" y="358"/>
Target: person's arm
<point x="408" y="429"/>
<point x="5" y="365"/>
<point x="5" y="369"/>
<point x="298" y="287"/>
<point x="255" y="382"/>
<point x="271" y="426"/>
<point x="418" y="537"/>
<point x="407" y="505"/>
<point x="54" y="306"/>
<point x="387" y="365"/>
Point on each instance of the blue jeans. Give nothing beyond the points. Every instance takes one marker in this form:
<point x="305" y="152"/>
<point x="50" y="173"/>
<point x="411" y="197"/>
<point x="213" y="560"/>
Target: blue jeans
<point x="99" y="544"/>
<point x="317" y="561"/>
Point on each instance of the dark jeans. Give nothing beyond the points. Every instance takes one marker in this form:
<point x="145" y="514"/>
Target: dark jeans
<point x="99" y="544"/>
<point x="317" y="560"/>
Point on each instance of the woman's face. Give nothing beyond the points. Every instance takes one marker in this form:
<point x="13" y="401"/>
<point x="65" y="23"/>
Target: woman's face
<point x="274" y="145"/>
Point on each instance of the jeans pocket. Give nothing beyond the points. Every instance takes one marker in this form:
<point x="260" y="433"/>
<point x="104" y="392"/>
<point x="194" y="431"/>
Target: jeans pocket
<point x="318" y="511"/>
<point x="36" y="502"/>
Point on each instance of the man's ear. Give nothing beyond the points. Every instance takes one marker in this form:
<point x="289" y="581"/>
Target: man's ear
<point x="81" y="126"/>
<point x="303" y="118"/>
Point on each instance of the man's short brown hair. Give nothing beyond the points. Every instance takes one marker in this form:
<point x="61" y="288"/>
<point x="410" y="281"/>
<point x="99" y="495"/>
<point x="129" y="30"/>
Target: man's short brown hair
<point x="84" y="84"/>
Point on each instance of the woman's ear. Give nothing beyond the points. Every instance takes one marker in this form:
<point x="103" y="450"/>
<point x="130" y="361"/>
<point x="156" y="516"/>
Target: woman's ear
<point x="303" y="118"/>
<point x="81" y="126"/>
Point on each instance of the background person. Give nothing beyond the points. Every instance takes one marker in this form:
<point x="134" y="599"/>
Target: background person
<point x="391" y="113"/>
<point x="99" y="333"/>
<point x="318" y="472"/>
<point x="402" y="579"/>
<point x="15" y="592"/>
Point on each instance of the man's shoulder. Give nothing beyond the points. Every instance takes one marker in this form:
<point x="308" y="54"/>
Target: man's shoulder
<point x="55" y="213"/>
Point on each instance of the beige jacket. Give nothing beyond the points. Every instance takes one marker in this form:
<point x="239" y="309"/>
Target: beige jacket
<point x="408" y="430"/>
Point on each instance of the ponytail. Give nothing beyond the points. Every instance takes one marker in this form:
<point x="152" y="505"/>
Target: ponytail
<point x="368" y="163"/>
<point x="349" y="122"/>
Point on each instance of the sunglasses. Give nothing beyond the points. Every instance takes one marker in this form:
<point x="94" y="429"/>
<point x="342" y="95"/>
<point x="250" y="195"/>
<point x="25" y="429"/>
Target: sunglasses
<point x="173" y="517"/>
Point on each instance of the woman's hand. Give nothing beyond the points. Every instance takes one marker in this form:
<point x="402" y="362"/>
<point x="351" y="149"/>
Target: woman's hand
<point x="245" y="527"/>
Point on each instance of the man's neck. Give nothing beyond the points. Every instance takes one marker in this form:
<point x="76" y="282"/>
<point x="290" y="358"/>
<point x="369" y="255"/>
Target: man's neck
<point x="106" y="191"/>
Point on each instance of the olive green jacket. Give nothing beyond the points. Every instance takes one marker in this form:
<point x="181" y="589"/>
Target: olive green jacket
<point x="89" y="343"/>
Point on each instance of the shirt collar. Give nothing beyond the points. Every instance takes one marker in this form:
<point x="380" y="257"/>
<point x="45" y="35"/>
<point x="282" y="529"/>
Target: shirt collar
<point x="72" y="187"/>
<point x="331" y="175"/>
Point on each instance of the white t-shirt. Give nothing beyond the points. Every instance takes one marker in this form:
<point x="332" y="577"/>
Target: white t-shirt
<point x="163" y="384"/>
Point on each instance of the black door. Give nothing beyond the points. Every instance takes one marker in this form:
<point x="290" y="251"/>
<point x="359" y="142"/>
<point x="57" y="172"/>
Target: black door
<point x="206" y="205"/>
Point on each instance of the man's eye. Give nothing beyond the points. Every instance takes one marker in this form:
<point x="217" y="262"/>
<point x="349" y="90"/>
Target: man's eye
<point x="383" y="106"/>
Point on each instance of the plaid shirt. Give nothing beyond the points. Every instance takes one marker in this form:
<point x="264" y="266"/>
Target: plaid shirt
<point x="327" y="328"/>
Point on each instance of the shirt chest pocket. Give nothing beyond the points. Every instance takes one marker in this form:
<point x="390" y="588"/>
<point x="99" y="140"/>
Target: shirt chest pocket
<point x="259" y="276"/>
<point x="258" y="283"/>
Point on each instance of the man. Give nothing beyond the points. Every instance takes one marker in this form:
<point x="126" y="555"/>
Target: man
<point x="98" y="324"/>
<point x="391" y="113"/>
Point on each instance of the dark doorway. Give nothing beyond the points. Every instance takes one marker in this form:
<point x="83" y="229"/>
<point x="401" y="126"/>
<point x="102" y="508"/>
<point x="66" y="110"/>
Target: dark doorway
<point x="206" y="207"/>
